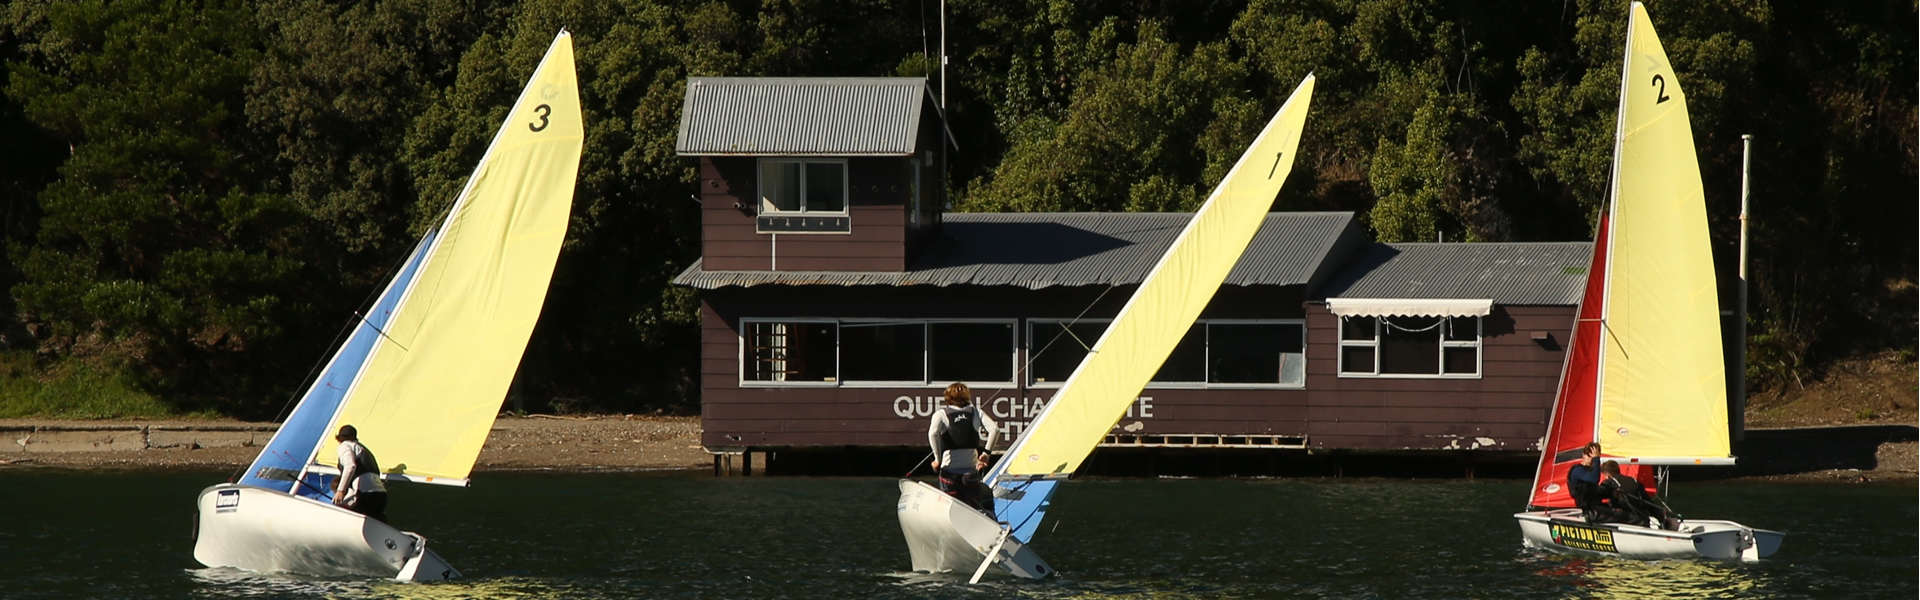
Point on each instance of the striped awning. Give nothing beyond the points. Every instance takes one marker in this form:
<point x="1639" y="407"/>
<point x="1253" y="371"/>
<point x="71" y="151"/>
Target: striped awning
<point x="1409" y="307"/>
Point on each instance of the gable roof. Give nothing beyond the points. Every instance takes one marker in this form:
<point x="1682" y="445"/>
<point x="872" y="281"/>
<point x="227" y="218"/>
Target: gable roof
<point x="1546" y="274"/>
<point x="1040" y="250"/>
<point x="801" y="116"/>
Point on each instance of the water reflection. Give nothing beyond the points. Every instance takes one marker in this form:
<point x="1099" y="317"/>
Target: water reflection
<point x="1611" y="578"/>
<point x="233" y="583"/>
<point x="586" y="536"/>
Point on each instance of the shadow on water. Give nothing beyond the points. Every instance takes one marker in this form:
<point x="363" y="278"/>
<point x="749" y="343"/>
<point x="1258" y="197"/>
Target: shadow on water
<point x="101" y="534"/>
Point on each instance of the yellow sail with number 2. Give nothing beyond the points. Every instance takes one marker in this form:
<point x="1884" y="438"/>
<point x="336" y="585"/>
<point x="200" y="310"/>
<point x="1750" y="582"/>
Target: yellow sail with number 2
<point x="1662" y="373"/>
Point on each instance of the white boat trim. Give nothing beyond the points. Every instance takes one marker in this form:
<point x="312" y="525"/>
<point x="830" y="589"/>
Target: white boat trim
<point x="1726" y="461"/>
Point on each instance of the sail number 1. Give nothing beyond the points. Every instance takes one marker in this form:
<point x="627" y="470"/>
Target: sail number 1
<point x="544" y="111"/>
<point x="1657" y="80"/>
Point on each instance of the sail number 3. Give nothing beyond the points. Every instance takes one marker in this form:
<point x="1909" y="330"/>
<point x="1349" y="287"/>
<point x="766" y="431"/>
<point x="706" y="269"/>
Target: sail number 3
<point x="544" y="111"/>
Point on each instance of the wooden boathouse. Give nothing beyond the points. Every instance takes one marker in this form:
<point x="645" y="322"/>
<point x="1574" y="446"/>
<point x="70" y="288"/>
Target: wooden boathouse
<point x="838" y="298"/>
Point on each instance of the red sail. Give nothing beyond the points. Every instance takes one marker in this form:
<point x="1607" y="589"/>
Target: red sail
<point x="1574" y="408"/>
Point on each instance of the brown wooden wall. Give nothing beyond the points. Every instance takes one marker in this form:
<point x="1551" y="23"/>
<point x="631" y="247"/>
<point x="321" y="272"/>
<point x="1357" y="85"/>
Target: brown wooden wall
<point x="878" y="201"/>
<point x="1508" y="405"/>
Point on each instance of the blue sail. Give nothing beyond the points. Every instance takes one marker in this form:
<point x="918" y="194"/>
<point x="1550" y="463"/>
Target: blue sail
<point x="1022" y="504"/>
<point x="292" y="447"/>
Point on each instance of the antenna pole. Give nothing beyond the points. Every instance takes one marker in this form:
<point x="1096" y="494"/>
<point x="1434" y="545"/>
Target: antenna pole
<point x="943" y="54"/>
<point x="1740" y="312"/>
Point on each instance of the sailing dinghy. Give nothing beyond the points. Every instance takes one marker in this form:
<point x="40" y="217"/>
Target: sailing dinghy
<point x="1644" y="374"/>
<point x="425" y="369"/>
<point x="944" y="534"/>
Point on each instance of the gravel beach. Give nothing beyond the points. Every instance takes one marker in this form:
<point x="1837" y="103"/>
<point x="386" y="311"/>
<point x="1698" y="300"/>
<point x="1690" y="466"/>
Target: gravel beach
<point x="572" y="443"/>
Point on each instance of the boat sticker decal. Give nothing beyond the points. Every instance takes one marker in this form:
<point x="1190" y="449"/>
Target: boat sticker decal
<point x="1583" y="538"/>
<point x="228" y="501"/>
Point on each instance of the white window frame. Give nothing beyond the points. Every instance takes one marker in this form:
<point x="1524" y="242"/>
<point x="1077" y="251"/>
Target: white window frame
<point x="760" y="186"/>
<point x="1206" y="356"/>
<point x="926" y="353"/>
<point x="1478" y="344"/>
<point x="746" y="326"/>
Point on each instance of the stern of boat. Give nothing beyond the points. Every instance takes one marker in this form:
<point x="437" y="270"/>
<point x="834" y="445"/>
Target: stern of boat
<point x="944" y="535"/>
<point x="268" y="531"/>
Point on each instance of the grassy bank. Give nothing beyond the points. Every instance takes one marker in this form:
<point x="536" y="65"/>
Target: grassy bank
<point x="72" y="389"/>
<point x="1866" y="390"/>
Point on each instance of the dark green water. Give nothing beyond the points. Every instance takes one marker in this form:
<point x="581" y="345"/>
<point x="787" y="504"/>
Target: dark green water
<point x="104" y="534"/>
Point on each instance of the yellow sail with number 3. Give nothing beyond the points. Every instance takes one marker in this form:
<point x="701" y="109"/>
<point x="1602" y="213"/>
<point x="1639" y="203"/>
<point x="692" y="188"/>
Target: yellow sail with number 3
<point x="1145" y="332"/>
<point x="430" y="390"/>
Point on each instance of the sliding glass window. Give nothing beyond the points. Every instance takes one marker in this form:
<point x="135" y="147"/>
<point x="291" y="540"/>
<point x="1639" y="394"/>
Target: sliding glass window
<point x="868" y="353"/>
<point x="793" y="352"/>
<point x="1216" y="353"/>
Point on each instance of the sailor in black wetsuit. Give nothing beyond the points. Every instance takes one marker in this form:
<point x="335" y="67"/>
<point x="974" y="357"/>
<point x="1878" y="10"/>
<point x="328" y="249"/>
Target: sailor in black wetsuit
<point x="1634" y="507"/>
<point x="955" y="435"/>
<point x="1583" y="483"/>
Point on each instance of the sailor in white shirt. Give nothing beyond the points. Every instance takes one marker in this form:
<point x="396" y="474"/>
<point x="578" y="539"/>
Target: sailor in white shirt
<point x="955" y="434"/>
<point x="359" y="488"/>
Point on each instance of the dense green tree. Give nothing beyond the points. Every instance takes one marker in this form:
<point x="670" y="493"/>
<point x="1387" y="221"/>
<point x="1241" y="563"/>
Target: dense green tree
<point x="203" y="191"/>
<point x="156" y="244"/>
<point x="1828" y="91"/>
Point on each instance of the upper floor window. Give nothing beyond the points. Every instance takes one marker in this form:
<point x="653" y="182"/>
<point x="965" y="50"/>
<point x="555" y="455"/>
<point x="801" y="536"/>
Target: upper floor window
<point x="1406" y="346"/>
<point x="790" y="185"/>
<point x="1213" y="353"/>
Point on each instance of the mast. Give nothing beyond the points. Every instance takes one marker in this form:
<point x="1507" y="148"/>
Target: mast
<point x="1738" y="418"/>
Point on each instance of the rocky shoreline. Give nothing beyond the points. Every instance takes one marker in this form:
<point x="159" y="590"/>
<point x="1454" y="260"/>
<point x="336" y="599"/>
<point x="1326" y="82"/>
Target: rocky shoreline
<point x="631" y="442"/>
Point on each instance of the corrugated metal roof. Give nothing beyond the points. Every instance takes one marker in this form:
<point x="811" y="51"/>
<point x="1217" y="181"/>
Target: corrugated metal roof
<point x="801" y="116"/>
<point x="1039" y="250"/>
<point x="1552" y="274"/>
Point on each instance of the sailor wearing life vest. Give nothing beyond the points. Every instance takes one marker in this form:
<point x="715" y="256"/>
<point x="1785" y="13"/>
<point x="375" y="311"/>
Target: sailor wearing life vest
<point x="358" y="488"/>
<point x="956" y="437"/>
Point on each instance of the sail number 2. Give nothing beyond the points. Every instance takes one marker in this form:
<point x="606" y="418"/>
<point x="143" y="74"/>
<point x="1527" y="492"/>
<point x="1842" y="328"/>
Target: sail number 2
<point x="544" y="111"/>
<point x="1657" y="80"/>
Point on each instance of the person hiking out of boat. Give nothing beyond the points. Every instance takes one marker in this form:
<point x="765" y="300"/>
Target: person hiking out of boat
<point x="955" y="434"/>
<point x="1583" y="483"/>
<point x="1631" y="499"/>
<point x="359" y="488"/>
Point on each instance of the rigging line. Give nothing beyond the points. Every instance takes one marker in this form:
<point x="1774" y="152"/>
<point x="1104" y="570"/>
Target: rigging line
<point x="916" y="465"/>
<point x="1065" y="330"/>
<point x="286" y="408"/>
<point x="327" y="493"/>
<point x="370" y="325"/>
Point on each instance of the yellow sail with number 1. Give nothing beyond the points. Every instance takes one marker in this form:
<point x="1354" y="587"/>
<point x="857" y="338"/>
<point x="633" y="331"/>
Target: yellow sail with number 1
<point x="1662" y="373"/>
<point x="430" y="390"/>
<point x="1164" y="307"/>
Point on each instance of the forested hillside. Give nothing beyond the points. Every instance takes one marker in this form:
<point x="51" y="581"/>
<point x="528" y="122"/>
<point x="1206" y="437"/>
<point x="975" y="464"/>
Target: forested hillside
<point x="199" y="194"/>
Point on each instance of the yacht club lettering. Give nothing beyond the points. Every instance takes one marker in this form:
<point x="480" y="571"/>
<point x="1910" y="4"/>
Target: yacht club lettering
<point x="1013" y="414"/>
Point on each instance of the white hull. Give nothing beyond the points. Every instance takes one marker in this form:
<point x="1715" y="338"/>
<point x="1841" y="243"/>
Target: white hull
<point x="1564" y="531"/>
<point x="268" y="531"/>
<point x="945" y="535"/>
